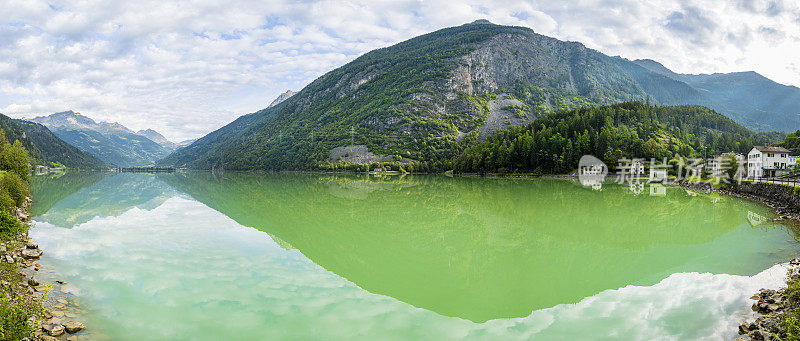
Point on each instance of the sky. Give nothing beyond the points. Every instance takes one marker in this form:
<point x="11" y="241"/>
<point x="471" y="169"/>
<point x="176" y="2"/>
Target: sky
<point x="186" y="68"/>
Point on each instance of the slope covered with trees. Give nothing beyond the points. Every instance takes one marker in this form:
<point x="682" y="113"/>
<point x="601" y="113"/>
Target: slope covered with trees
<point x="555" y="143"/>
<point x="45" y="148"/>
<point x="422" y="100"/>
<point x="747" y="97"/>
<point x="426" y="99"/>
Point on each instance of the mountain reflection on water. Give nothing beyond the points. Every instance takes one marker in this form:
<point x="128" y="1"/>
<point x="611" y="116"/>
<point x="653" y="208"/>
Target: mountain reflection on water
<point x="473" y="248"/>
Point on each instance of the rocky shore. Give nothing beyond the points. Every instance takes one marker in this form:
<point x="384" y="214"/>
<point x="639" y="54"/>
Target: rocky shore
<point x="21" y="255"/>
<point x="785" y="200"/>
<point x="772" y="305"/>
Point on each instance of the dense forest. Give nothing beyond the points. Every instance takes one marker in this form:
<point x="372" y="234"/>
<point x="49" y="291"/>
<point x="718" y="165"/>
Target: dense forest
<point x="792" y="142"/>
<point x="554" y="143"/>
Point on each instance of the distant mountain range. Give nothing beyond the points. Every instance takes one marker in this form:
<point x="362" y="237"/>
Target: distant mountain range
<point x="45" y="147"/>
<point x="429" y="97"/>
<point x="747" y="97"/>
<point x="111" y="142"/>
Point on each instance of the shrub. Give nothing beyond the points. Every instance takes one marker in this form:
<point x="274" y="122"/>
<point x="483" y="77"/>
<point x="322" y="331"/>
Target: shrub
<point x="15" y="186"/>
<point x="10" y="226"/>
<point x="791" y="319"/>
<point x="6" y="203"/>
<point x="14" y="324"/>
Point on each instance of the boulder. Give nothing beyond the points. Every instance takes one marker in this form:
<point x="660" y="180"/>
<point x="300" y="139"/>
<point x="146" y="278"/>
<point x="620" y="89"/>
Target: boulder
<point x="31" y="254"/>
<point x="31" y="245"/>
<point x="33" y="282"/>
<point x="73" y="327"/>
<point x="744" y="327"/>
<point x="53" y="329"/>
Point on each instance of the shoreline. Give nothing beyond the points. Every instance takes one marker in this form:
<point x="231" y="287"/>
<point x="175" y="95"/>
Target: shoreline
<point x="21" y="256"/>
<point x="772" y="305"/>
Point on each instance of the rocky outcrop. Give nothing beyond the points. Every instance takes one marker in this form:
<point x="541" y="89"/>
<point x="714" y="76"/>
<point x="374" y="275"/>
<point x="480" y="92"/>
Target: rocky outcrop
<point x="282" y="97"/>
<point x="501" y="117"/>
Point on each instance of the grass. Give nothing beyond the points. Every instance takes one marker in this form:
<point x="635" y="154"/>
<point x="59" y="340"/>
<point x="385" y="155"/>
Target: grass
<point x="19" y="312"/>
<point x="791" y="319"/>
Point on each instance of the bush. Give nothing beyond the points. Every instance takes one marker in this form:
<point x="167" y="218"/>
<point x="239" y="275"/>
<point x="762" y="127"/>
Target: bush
<point x="6" y="203"/>
<point x="14" y="314"/>
<point x="15" y="186"/>
<point x="10" y="226"/>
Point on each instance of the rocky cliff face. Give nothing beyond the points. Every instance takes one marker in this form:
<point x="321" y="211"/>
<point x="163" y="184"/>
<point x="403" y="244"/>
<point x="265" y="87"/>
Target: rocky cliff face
<point x="282" y="97"/>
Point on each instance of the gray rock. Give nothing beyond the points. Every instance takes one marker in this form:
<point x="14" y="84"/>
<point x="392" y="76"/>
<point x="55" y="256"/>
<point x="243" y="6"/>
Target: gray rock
<point x="73" y="327"/>
<point x="744" y="327"/>
<point x="53" y="329"/>
<point x="31" y="254"/>
<point x="31" y="245"/>
<point x="33" y="282"/>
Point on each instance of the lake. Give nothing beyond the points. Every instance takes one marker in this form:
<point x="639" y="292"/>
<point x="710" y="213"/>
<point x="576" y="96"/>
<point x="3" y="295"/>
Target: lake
<point x="314" y="256"/>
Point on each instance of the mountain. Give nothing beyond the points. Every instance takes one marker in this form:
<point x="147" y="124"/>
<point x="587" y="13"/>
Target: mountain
<point x="428" y="98"/>
<point x="158" y="138"/>
<point x="747" y="97"/>
<point x="47" y="148"/>
<point x="111" y="142"/>
<point x="284" y="96"/>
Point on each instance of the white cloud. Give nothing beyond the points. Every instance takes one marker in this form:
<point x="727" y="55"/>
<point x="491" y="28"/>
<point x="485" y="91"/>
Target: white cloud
<point x="186" y="68"/>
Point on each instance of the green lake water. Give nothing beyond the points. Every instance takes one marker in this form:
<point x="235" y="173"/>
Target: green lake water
<point x="304" y="256"/>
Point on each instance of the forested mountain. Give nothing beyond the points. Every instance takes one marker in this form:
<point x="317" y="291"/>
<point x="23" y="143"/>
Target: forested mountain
<point x="111" y="142"/>
<point x="747" y="97"/>
<point x="428" y="98"/>
<point x="45" y="147"/>
<point x="555" y="143"/>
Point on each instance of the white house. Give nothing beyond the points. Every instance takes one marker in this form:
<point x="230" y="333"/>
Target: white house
<point x="765" y="161"/>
